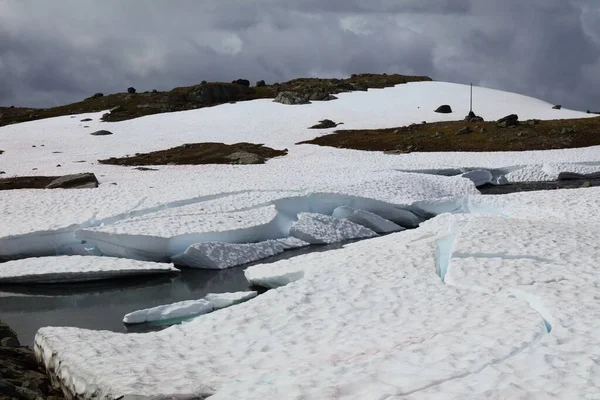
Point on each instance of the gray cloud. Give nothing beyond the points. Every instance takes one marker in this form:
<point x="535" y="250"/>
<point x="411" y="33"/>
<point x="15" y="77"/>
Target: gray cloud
<point x="58" y="51"/>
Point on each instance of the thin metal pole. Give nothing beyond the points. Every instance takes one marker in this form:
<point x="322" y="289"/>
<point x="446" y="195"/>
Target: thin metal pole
<point x="471" y="106"/>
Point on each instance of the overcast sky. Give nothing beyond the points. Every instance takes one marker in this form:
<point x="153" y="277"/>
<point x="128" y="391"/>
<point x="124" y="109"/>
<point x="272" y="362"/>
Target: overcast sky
<point x="58" y="51"/>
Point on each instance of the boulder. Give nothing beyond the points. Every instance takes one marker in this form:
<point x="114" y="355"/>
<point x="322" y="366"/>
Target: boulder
<point x="213" y="93"/>
<point x="509" y="120"/>
<point x="76" y="181"/>
<point x="557" y="107"/>
<point x="444" y="109"/>
<point x="319" y="96"/>
<point x="97" y="95"/>
<point x="244" y="157"/>
<point x="101" y="132"/>
<point x="471" y="117"/>
<point x="464" y="131"/>
<point x="243" y="82"/>
<point x="291" y="98"/>
<point x="86" y="119"/>
<point x="154" y="91"/>
<point x="324" y="124"/>
<point x="131" y="90"/>
<point x="261" y="83"/>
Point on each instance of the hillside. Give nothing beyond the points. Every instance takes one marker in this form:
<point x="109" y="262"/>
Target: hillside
<point x="469" y="136"/>
<point x="126" y="106"/>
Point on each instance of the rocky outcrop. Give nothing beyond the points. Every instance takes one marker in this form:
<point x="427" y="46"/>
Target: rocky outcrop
<point x="21" y="377"/>
<point x="261" y="83"/>
<point x="292" y="98"/>
<point x="214" y="93"/>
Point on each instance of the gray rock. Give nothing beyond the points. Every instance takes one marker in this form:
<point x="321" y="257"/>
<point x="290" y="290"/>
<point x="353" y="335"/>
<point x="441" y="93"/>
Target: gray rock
<point x="244" y="157"/>
<point x="86" y="120"/>
<point x="261" y="83"/>
<point x="6" y="331"/>
<point x="101" y="133"/>
<point x="77" y="181"/>
<point x="291" y="98"/>
<point x="324" y="124"/>
<point x="131" y="90"/>
<point x="464" y="131"/>
<point x="557" y="107"/>
<point x="444" y="109"/>
<point x="319" y="96"/>
<point x="532" y="121"/>
<point x="511" y="117"/>
<point x="9" y="342"/>
<point x="213" y="94"/>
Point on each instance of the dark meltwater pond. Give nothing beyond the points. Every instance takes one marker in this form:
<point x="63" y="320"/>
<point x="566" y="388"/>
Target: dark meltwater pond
<point x="102" y="305"/>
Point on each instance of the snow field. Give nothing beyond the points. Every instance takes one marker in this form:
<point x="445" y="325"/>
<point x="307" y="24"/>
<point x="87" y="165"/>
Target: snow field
<point x="494" y="305"/>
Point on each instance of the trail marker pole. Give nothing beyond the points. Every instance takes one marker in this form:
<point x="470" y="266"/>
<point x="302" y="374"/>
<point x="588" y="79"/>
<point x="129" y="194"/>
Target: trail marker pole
<point x="471" y="106"/>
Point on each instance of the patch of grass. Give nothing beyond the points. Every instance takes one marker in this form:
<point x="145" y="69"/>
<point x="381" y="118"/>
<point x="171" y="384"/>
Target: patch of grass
<point x="199" y="153"/>
<point x="128" y="106"/>
<point x="441" y="136"/>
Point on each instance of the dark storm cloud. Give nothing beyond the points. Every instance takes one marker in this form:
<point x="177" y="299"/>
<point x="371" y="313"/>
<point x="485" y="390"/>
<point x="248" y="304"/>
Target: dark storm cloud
<point x="57" y="51"/>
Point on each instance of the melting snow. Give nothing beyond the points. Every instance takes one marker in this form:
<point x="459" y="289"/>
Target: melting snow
<point x="496" y="300"/>
<point x="76" y="269"/>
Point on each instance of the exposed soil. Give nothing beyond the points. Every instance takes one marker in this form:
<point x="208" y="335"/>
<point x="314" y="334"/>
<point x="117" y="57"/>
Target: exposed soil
<point x="441" y="136"/>
<point x="126" y="106"/>
<point x="201" y="153"/>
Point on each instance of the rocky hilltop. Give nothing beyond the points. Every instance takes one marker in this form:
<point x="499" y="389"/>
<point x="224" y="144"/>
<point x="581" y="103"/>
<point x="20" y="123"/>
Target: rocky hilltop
<point x="132" y="104"/>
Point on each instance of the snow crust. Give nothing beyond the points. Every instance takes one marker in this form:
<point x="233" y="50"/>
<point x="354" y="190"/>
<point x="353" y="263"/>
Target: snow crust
<point x="223" y="300"/>
<point x="181" y="309"/>
<point x="76" y="269"/>
<point x="513" y="316"/>
<point x="367" y="219"/>
<point x="322" y="229"/>
<point x="221" y="255"/>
